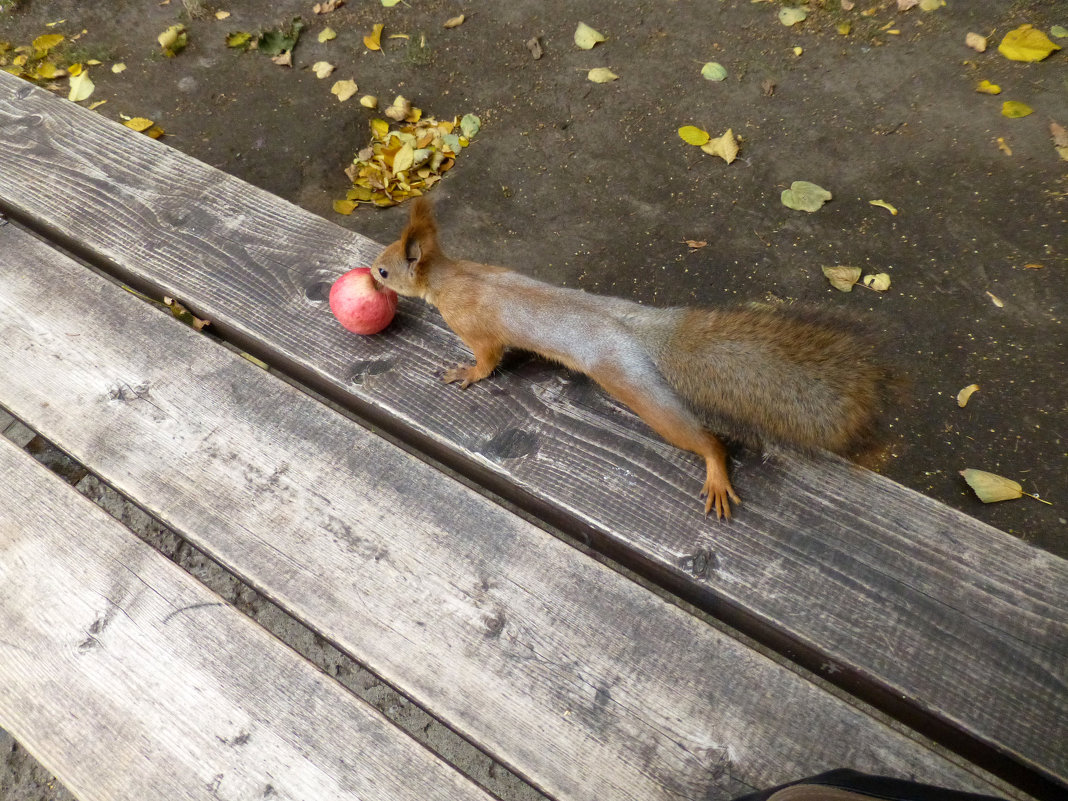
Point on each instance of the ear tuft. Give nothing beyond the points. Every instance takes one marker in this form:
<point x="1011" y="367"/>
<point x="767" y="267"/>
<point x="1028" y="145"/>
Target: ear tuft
<point x="420" y="236"/>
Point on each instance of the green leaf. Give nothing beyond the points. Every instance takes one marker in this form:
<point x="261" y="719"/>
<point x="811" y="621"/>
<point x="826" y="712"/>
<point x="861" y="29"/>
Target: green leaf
<point x="713" y="71"/>
<point x="470" y="125"/>
<point x="586" y="37"/>
<point x="792" y="16"/>
<point x="805" y="196"/>
<point x="1059" y="31"/>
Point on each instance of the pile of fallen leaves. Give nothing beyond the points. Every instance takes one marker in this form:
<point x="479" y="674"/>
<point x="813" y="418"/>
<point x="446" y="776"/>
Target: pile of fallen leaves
<point x="405" y="160"/>
<point x="33" y="62"/>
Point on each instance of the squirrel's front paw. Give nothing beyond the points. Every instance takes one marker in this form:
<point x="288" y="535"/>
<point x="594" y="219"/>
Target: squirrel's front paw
<point x="464" y="373"/>
<point x="718" y="493"/>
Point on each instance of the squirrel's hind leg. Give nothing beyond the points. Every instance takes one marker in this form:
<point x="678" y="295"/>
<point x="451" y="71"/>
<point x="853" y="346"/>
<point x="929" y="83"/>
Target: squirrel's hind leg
<point x="658" y="406"/>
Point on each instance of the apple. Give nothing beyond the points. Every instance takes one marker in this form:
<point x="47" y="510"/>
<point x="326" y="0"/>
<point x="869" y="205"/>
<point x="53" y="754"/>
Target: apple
<point x="360" y="303"/>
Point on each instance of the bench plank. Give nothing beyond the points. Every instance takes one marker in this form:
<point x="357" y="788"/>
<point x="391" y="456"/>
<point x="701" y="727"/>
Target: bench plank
<point x="888" y="592"/>
<point x="128" y="679"/>
<point x="580" y="680"/>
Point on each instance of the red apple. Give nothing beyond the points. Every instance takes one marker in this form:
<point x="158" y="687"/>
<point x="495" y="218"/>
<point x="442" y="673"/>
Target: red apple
<point x="360" y="304"/>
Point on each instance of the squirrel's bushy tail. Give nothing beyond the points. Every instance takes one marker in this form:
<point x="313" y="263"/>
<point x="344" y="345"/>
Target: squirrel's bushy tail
<point x="803" y="377"/>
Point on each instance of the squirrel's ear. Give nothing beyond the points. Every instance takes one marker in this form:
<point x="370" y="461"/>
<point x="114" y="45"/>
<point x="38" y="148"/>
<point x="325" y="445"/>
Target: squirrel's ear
<point x="420" y="236"/>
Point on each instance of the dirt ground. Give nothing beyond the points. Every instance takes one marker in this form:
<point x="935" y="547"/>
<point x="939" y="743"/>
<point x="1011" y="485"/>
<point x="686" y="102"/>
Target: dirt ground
<point x="589" y="185"/>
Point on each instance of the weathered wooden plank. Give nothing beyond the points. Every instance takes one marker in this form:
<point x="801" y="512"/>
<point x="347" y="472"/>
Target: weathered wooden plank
<point x="909" y="600"/>
<point x="581" y="680"/>
<point x="128" y="679"/>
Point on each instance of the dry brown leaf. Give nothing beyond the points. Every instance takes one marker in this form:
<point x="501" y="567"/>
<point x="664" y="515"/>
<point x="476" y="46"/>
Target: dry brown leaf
<point x="976" y="42"/>
<point x="454" y="22"/>
<point x="534" y="46"/>
<point x="1060" y="139"/>
<point x="842" y="278"/>
<point x="990" y="487"/>
<point x="284" y="59"/>
<point x="695" y="244"/>
<point x="726" y="147"/>
<point x="996" y="300"/>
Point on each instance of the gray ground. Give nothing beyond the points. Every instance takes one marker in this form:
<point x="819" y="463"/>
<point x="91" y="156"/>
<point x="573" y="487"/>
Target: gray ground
<point x="589" y="185"/>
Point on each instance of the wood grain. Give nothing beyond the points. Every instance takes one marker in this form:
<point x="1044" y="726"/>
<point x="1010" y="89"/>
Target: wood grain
<point x="919" y="606"/>
<point x="580" y="680"/>
<point x="129" y="680"/>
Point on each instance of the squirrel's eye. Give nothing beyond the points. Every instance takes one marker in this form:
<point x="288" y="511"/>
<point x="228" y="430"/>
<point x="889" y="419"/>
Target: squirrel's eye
<point x="383" y="273"/>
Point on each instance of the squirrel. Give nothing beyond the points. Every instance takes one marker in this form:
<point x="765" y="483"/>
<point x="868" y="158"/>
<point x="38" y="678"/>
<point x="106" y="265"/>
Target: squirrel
<point x="800" y="377"/>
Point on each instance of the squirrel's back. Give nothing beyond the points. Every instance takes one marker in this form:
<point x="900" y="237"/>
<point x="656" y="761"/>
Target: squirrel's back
<point x="804" y="377"/>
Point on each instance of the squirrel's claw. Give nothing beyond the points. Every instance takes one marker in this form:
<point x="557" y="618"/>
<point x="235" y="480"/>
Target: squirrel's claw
<point x="461" y="373"/>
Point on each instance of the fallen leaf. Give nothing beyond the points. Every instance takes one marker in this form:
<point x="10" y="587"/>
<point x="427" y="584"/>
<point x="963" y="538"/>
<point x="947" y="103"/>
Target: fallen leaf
<point x="1059" y="31"/>
<point x="1034" y="266"/>
<point x="322" y="69"/>
<point x="454" y="22"/>
<point x="965" y="394"/>
<point x="173" y="40"/>
<point x="931" y="5"/>
<point x="222" y="15"/>
<point x="117" y="68"/>
<point x="905" y="5"/>
<point x="97" y="104"/>
<point x="976" y="42"/>
<point x="805" y="196"/>
<point x="1026" y="43"/>
<point x="692" y="135"/>
<point x="80" y="87"/>
<point x="238" y="39"/>
<point x="183" y="314"/>
<point x="345" y="207"/>
<point x="791" y="16"/>
<point x="842" y="278"/>
<point x="1003" y="146"/>
<point x="602" y="75"/>
<point x="695" y="244"/>
<point x="844" y="28"/>
<point x="988" y="88"/>
<point x="884" y="205"/>
<point x="798" y="51"/>
<point x="848" y="5"/>
<point x="343" y="89"/>
<point x="534" y="46"/>
<point x="403" y="159"/>
<point x="996" y="300"/>
<point x="726" y="147"/>
<point x="276" y="42"/>
<point x="284" y="59"/>
<point x="373" y="41"/>
<point x="326" y="34"/>
<point x="880" y="282"/>
<point x="586" y="37"/>
<point x="390" y="3"/>
<point x="470" y="125"/>
<point x="399" y="109"/>
<point x="990" y="487"/>
<point x="767" y="87"/>
<point x="138" y="123"/>
<point x="328" y="6"/>
<point x="369" y="101"/>
<point x="1014" y="109"/>
<point x="45" y="42"/>
<point x="713" y="71"/>
<point x="1060" y="139"/>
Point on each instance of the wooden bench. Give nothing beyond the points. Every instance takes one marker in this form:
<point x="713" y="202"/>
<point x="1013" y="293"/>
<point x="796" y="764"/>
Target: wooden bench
<point x="583" y="682"/>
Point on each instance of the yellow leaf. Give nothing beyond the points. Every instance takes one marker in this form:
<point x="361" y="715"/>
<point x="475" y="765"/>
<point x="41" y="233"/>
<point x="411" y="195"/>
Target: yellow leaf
<point x="692" y="135"/>
<point x="602" y="75"/>
<point x="369" y="101"/>
<point x="117" y="68"/>
<point x="97" y="104"/>
<point x="42" y="44"/>
<point x="1026" y="43"/>
<point x="222" y="15"/>
<point x="343" y="89"/>
<point x="1015" y="109"/>
<point x="404" y="159"/>
<point x="344" y="206"/>
<point x="80" y="87"/>
<point x="373" y="41"/>
<point x="965" y="394"/>
<point x="880" y="282"/>
<point x="454" y="22"/>
<point x="976" y="42"/>
<point x="586" y="37"/>
<point x="326" y="34"/>
<point x="138" y="123"/>
<point x="322" y="69"/>
<point x="49" y="71"/>
<point x="379" y="128"/>
<point x="988" y="88"/>
<point x="990" y="487"/>
<point x="842" y="278"/>
<point x="883" y="205"/>
<point x="844" y="28"/>
<point x="1003" y="146"/>
<point x="75" y="69"/>
<point x="995" y="300"/>
<point x="726" y="147"/>
<point x="173" y="40"/>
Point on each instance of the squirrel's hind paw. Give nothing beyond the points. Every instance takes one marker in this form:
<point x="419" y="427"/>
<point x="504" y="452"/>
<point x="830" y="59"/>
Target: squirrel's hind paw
<point x="718" y="493"/>
<point x="466" y="374"/>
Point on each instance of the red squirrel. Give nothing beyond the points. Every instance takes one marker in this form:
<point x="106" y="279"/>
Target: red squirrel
<point x="758" y="374"/>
